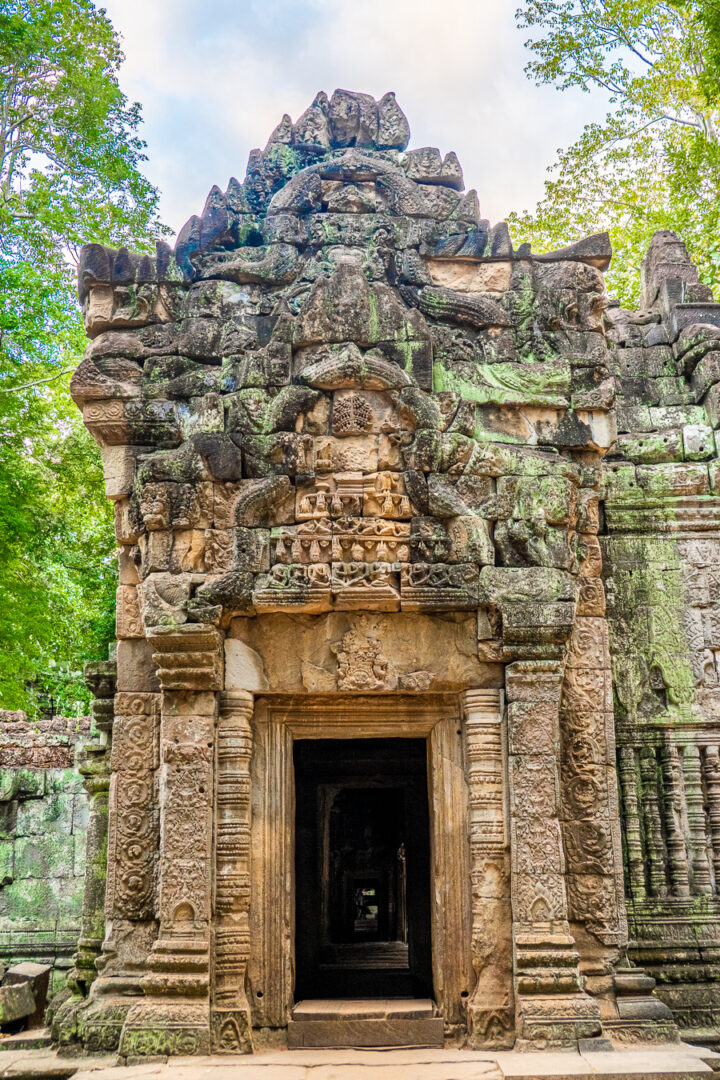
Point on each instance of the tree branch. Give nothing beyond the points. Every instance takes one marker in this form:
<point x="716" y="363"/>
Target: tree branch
<point x="28" y="386"/>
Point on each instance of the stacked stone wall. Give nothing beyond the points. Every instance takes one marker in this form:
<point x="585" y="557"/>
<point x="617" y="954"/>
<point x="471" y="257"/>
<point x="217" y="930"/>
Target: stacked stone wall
<point x="662" y="574"/>
<point x="43" y="823"/>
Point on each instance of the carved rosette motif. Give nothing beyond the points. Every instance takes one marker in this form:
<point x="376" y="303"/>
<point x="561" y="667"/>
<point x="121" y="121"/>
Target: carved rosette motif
<point x="230" y="1010"/>
<point x="133" y="820"/>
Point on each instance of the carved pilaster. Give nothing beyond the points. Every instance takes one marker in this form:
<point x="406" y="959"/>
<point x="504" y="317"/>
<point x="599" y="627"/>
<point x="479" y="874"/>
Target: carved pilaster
<point x="629" y="784"/>
<point x="694" y="802"/>
<point x="677" y="852"/>
<point x="654" y="845"/>
<point x="230" y="1010"/>
<point x="589" y="802"/>
<point x="711" y="769"/>
<point x="93" y="763"/>
<point x="552" y="1009"/>
<point x="271" y="920"/>
<point x="175" y="1017"/>
<point x="132" y="853"/>
<point x="133" y="839"/>
<point x="489" y="1016"/>
<point x="188" y="657"/>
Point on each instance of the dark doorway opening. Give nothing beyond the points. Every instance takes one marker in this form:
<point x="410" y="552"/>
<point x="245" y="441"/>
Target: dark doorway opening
<point x="362" y="869"/>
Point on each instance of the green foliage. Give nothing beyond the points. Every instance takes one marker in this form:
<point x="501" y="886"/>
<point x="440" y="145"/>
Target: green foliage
<point x="654" y="163"/>
<point x="708" y="14"/>
<point x="70" y="160"/>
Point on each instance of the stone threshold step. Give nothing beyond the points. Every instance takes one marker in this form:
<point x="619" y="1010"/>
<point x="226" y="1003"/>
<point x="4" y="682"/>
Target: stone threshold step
<point x="45" y="1064"/>
<point x="364" y="1009"/>
<point x="34" y="1039"/>
<point x="365" y="1022"/>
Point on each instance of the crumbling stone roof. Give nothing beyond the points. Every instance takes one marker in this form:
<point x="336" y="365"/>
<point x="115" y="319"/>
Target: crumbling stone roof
<point x="342" y="264"/>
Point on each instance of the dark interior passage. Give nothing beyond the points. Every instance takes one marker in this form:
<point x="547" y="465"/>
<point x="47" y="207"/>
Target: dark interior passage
<point x="362" y="868"/>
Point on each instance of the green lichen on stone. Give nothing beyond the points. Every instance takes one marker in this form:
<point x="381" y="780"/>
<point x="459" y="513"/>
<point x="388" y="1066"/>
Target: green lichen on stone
<point x="41" y="862"/>
<point x="506" y="383"/>
<point x="651" y="655"/>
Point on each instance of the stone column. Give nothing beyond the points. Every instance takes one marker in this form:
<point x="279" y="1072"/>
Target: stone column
<point x="552" y="1008"/>
<point x="677" y="852"/>
<point x="174" y="1018"/>
<point x="697" y="830"/>
<point x="711" y="769"/>
<point x="230" y="1010"/>
<point x="451" y="921"/>
<point x="655" y="847"/>
<point x="629" y="783"/>
<point x="93" y="762"/>
<point x="272" y="899"/>
<point x="489" y="1017"/>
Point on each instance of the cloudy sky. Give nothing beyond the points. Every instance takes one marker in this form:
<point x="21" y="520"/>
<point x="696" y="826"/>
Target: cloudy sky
<point x="214" y="77"/>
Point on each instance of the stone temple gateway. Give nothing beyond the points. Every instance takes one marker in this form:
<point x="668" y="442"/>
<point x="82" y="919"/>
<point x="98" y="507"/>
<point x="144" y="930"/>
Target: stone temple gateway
<point x="418" y="672"/>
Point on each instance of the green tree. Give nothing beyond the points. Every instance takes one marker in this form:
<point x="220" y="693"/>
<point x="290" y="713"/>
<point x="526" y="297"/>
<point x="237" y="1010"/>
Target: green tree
<point x="708" y="13"/>
<point x="70" y="172"/>
<point x="654" y="162"/>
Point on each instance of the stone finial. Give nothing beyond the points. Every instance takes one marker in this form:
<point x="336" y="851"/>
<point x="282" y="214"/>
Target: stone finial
<point x="667" y="263"/>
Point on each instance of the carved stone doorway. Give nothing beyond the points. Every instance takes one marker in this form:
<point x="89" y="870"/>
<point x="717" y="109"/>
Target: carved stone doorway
<point x="362" y="868"/>
<point x="279" y="722"/>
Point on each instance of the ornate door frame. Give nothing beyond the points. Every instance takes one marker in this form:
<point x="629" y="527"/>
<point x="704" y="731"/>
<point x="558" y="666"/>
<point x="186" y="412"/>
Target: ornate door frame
<point x="449" y="722"/>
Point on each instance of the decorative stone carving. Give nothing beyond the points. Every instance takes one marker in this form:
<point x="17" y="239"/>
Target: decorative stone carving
<point x="177" y="984"/>
<point x="489" y="1008"/>
<point x="551" y="1005"/>
<point x="592" y="844"/>
<point x="365" y="586"/>
<point x="93" y="765"/>
<point x="352" y="415"/>
<point x="370" y="540"/>
<point x="230" y="1011"/>
<point x="133" y="838"/>
<point x="293" y="587"/>
<point x="362" y="665"/>
<point x="437" y="586"/>
<point x="343" y="410"/>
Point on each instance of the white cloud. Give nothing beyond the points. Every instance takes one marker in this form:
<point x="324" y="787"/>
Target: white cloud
<point x="215" y="76"/>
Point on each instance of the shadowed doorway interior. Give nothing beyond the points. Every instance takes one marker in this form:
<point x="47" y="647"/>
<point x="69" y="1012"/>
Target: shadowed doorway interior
<point x="362" y="869"/>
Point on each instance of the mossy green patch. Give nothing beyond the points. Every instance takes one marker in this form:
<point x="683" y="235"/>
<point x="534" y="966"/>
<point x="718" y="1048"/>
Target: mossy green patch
<point x="506" y="383"/>
<point x="652" y="669"/>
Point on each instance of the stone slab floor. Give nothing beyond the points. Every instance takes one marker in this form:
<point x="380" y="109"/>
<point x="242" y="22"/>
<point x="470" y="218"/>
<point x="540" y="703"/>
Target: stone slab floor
<point x="679" y="1062"/>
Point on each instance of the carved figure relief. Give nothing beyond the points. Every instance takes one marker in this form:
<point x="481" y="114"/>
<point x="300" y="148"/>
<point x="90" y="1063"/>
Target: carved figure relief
<point x="361" y="664"/>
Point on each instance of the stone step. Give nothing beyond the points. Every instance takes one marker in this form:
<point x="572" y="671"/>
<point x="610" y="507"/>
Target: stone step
<point x="34" y="1039"/>
<point x="365" y="1022"/>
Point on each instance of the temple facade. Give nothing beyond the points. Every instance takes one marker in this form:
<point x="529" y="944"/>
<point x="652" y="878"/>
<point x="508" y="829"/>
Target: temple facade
<point x="414" y="729"/>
